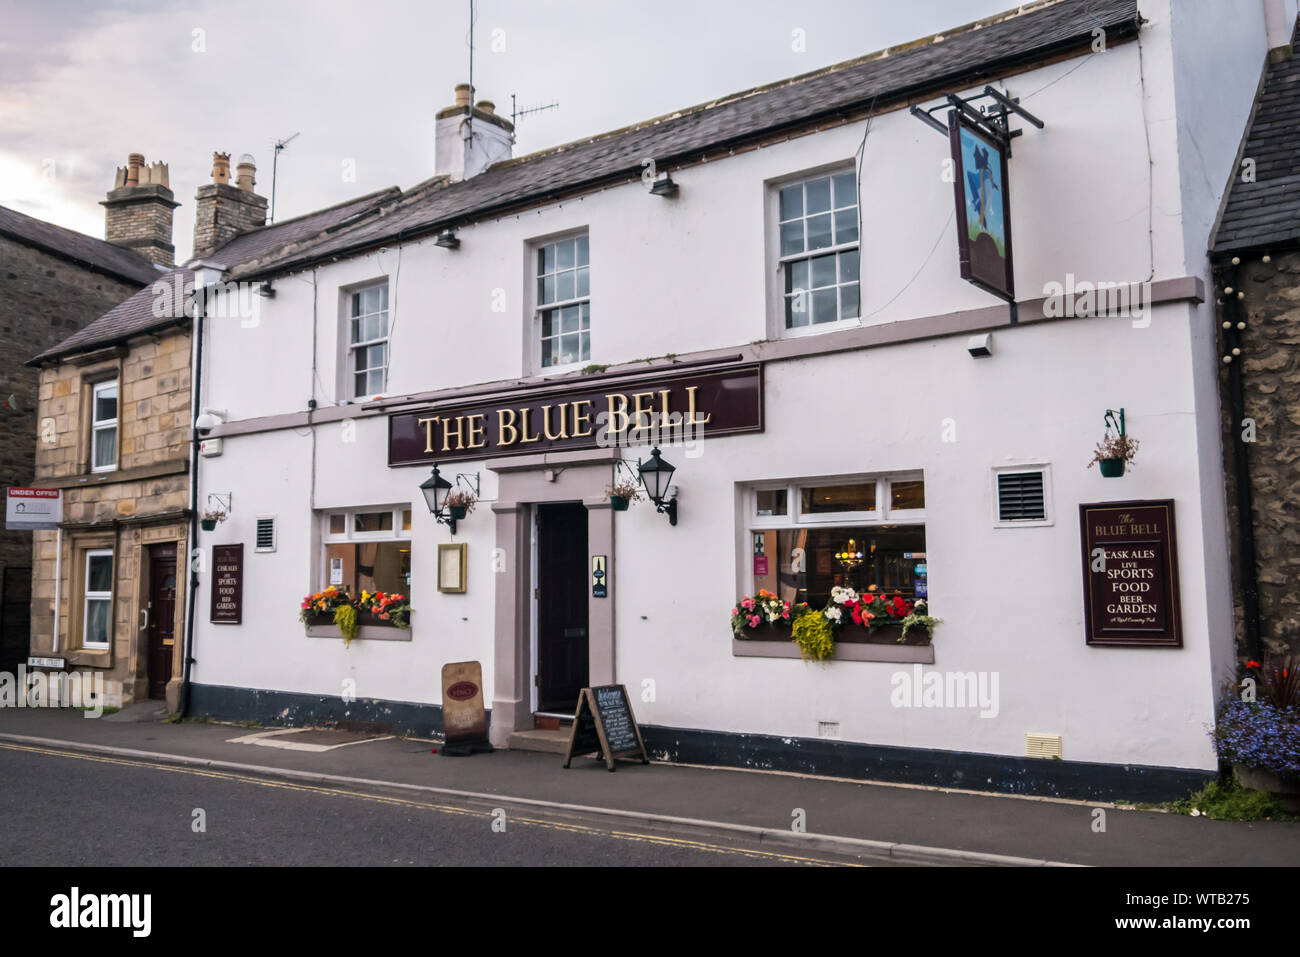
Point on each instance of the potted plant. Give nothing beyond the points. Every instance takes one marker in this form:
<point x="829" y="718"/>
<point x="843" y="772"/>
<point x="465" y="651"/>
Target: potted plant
<point x="1257" y="730"/>
<point x="211" y="517"/>
<point x="460" y="503"/>
<point x="623" y="493"/>
<point x="335" y="606"/>
<point x="1113" y="453"/>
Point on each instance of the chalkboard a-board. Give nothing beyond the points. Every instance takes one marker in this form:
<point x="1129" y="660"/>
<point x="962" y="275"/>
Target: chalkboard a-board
<point x="604" y="724"/>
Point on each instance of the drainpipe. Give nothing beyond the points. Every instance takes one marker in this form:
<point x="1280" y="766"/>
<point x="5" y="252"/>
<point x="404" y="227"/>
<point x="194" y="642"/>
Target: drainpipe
<point x="205" y="274"/>
<point x="1234" y="312"/>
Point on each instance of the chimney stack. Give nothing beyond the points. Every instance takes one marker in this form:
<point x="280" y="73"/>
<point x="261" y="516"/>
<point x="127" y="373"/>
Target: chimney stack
<point x="467" y="140"/>
<point x="224" y="211"/>
<point x="138" y="210"/>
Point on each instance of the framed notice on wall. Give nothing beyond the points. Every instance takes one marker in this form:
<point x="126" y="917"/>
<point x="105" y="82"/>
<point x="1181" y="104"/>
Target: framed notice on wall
<point x="451" y="567"/>
<point x="227" y="584"/>
<point x="1130" y="574"/>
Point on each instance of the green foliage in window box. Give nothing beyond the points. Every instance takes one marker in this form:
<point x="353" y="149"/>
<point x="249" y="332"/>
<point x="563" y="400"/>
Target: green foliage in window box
<point x="814" y="636"/>
<point x="345" y="617"/>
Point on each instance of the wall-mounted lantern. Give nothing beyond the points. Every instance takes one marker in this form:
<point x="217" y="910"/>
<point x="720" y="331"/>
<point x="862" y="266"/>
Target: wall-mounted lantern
<point x="448" y="506"/>
<point x="657" y="476"/>
<point x="447" y="239"/>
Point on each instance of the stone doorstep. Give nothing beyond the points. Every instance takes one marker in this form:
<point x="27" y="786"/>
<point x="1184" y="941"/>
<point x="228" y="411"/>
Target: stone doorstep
<point x="551" y="741"/>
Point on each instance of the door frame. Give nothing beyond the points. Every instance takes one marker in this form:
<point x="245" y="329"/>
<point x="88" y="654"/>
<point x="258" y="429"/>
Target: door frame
<point x="523" y="483"/>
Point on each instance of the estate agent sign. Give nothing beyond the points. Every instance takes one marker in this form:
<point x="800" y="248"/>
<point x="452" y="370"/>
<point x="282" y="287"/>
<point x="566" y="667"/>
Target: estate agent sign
<point x="686" y="406"/>
<point x="1130" y="574"/>
<point x="32" y="508"/>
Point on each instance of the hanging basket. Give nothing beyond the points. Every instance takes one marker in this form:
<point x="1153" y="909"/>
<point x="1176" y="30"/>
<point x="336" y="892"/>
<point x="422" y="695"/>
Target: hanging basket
<point x="618" y="503"/>
<point x="458" y="511"/>
<point x="208" y="524"/>
<point x="1111" y="468"/>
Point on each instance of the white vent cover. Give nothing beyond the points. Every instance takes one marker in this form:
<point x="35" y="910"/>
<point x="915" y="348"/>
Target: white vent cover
<point x="265" y="534"/>
<point x="1021" y="497"/>
<point x="1042" y="745"/>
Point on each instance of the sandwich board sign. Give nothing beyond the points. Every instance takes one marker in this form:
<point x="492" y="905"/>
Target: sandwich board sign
<point x="32" y="508"/>
<point x="603" y="725"/>
<point x="464" y="718"/>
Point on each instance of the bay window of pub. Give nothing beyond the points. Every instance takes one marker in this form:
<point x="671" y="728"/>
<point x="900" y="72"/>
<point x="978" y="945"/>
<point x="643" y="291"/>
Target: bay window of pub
<point x="867" y="534"/>
<point x="368" y="550"/>
<point x="561" y="283"/>
<point x="366" y="338"/>
<point x="816" y="238"/>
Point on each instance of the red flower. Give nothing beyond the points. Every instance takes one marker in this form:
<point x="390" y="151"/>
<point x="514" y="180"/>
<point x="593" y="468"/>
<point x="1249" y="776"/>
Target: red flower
<point x="1252" y="664"/>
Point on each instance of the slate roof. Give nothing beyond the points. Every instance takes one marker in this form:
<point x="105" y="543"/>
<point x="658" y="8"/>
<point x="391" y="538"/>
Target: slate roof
<point x="958" y="59"/>
<point x="1266" y="213"/>
<point x="97" y="254"/>
<point x="137" y="316"/>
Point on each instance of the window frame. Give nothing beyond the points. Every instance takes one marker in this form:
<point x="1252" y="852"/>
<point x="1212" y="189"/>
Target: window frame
<point x="778" y="262"/>
<point x="98" y="426"/>
<point x="1049" y="514"/>
<point x="794" y="519"/>
<point x="536" y="307"/>
<point x="351" y="537"/>
<point x="351" y="349"/>
<point x="87" y="596"/>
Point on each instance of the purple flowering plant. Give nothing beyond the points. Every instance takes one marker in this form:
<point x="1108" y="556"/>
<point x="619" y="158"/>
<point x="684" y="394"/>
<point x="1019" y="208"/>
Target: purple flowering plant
<point x="1265" y="732"/>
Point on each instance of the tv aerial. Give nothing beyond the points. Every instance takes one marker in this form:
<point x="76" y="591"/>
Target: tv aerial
<point x="279" y="145"/>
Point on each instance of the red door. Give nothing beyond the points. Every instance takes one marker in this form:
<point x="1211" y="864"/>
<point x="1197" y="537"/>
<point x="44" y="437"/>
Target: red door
<point x="562" y="658"/>
<point x="161" y="620"/>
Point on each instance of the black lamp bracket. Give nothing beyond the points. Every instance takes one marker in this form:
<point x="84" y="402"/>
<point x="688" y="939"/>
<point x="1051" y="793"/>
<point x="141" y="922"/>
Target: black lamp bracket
<point x="224" y="502"/>
<point x="1115" y="420"/>
<point x="620" y="465"/>
<point x="470" y="482"/>
<point x="992" y="116"/>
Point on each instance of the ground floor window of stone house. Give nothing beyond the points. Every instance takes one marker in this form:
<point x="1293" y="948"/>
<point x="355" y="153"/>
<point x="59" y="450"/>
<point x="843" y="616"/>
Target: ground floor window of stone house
<point x="97" y="598"/>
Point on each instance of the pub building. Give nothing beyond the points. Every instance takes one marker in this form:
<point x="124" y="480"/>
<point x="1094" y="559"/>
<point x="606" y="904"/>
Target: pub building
<point x="790" y="317"/>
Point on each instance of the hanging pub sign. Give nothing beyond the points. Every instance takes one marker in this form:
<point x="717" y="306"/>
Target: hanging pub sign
<point x="983" y="207"/>
<point x="1130" y="574"/>
<point x="666" y="409"/>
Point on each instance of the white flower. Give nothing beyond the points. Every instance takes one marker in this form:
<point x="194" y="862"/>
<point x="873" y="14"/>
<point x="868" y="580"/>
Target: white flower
<point x="834" y="614"/>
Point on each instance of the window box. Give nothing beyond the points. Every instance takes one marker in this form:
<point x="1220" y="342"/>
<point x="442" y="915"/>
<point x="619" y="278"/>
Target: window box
<point x="850" y="635"/>
<point x="370" y="627"/>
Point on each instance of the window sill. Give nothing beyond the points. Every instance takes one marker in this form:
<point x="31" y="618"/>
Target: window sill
<point x="370" y="629"/>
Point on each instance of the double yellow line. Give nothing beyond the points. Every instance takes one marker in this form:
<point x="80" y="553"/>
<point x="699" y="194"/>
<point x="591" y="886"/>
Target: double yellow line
<point x="427" y="806"/>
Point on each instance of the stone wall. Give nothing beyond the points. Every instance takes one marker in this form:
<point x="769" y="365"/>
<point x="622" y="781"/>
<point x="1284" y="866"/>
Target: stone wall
<point x="142" y="503"/>
<point x="1270" y="366"/>
<point x="140" y="218"/>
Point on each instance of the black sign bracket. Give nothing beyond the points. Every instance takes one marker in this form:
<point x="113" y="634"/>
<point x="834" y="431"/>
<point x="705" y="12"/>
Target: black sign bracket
<point x="993" y="118"/>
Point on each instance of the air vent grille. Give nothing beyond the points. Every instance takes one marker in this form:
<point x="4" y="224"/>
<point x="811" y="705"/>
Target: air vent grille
<point x="265" y="535"/>
<point x="1043" y="746"/>
<point x="1020" y="497"/>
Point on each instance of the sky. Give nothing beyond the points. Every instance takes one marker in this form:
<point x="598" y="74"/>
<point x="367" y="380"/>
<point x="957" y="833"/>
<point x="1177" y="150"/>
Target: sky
<point x="84" y="84"/>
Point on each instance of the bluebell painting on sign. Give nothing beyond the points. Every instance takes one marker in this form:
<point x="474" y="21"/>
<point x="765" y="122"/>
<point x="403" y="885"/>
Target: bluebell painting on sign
<point x="983" y="208"/>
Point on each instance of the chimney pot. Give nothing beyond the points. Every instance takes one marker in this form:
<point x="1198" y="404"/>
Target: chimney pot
<point x="221" y="167"/>
<point x="246" y="173"/>
<point x="485" y="106"/>
<point x="133" y="164"/>
<point x="463" y="94"/>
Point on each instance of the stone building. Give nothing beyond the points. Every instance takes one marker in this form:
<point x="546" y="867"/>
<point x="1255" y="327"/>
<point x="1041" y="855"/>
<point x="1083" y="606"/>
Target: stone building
<point x="109" y="587"/>
<point x="53" y="282"/>
<point x="1256" y="254"/>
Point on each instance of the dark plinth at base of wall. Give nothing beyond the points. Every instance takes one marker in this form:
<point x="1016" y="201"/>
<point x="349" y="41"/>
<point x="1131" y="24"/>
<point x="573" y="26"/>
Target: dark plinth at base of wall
<point x="967" y="770"/>
<point x="292" y="709"/>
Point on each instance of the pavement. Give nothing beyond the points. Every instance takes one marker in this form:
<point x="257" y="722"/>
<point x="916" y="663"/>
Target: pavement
<point x="868" y="822"/>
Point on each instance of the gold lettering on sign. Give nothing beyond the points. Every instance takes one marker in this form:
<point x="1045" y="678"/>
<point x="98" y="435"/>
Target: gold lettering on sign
<point x="503" y="426"/>
<point x="690" y="405"/>
<point x="550" y="435"/>
<point x="617" y="410"/>
<point x="428" y="431"/>
<point x="581" y="418"/>
<point x="663" y="403"/>
<point x="523" y="427"/>
<point x="460" y="434"/>
<point x="477" y="428"/>
<point x="639" y="409"/>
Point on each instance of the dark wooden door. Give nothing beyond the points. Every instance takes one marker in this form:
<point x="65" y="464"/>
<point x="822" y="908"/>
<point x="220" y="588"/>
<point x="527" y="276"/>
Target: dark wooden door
<point x="162" y="617"/>
<point x="562" y="660"/>
<point x="15" y="618"/>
